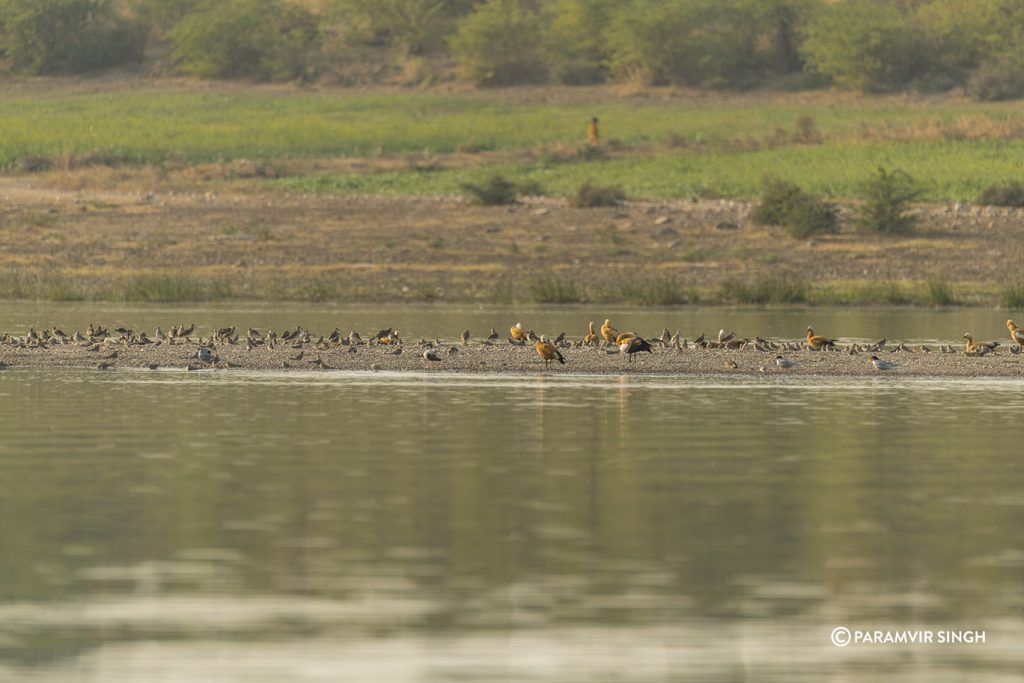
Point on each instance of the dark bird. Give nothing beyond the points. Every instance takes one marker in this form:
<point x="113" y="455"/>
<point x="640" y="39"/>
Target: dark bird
<point x="634" y="345"/>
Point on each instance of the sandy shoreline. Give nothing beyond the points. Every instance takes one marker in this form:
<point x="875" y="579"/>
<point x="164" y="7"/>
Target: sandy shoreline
<point x="505" y="358"/>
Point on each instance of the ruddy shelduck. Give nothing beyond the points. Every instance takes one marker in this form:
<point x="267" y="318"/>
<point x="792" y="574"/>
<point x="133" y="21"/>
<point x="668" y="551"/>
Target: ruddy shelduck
<point x="1016" y="333"/>
<point x="608" y="332"/>
<point x="818" y="342"/>
<point x="634" y="345"/>
<point x="547" y="351"/>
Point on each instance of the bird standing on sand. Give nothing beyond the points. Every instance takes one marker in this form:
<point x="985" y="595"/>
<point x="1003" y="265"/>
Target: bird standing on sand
<point x="973" y="348"/>
<point x="432" y="355"/>
<point x="465" y="337"/>
<point x="493" y="336"/>
<point x="1016" y="333"/>
<point x="517" y="332"/>
<point x="784" y="362"/>
<point x="883" y="365"/>
<point x="634" y="345"/>
<point x="591" y="337"/>
<point x="817" y="342"/>
<point x="547" y="351"/>
<point x="608" y="332"/>
<point x="205" y="354"/>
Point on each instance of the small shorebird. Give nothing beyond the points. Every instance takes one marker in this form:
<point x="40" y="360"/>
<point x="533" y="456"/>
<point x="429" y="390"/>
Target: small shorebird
<point x="547" y="351"/>
<point x="432" y="355"/>
<point x="493" y="336"/>
<point x="205" y="354"/>
<point x="465" y="337"/>
<point x="784" y="362"/>
<point x="883" y="364"/>
<point x="634" y="345"/>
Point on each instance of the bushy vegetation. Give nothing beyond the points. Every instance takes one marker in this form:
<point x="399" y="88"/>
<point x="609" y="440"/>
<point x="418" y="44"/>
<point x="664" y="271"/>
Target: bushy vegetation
<point x="887" y="198"/>
<point x="44" y="37"/>
<point x="256" y="39"/>
<point x="783" y="203"/>
<point x="590" y="196"/>
<point x="495" y="191"/>
<point x="868" y="45"/>
<point x="1007" y="194"/>
<point x="500" y="44"/>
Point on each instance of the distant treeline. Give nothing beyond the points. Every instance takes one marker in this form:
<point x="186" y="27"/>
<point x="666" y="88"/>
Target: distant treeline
<point x="868" y="45"/>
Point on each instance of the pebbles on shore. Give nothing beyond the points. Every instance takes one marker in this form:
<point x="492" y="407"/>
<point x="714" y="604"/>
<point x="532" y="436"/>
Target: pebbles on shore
<point x="502" y="358"/>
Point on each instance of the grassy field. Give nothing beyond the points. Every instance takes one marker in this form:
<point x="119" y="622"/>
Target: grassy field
<point x="186" y="192"/>
<point x="656" y="145"/>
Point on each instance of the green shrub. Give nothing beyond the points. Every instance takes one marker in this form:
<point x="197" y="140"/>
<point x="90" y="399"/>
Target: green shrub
<point x="589" y="196"/>
<point x="938" y="292"/>
<point x="574" y="45"/>
<point x="270" y="40"/>
<point x="865" y="45"/>
<point x="1008" y="194"/>
<point x="888" y="195"/>
<point x="43" y="37"/>
<point x="161" y="15"/>
<point x="776" y="198"/>
<point x="497" y="190"/>
<point x="784" y="203"/>
<point x="417" y="26"/>
<point x="707" y="43"/>
<point x="500" y="44"/>
<point x="1000" y="78"/>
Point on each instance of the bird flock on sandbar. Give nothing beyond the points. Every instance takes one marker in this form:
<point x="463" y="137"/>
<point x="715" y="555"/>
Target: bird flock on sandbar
<point x="108" y="344"/>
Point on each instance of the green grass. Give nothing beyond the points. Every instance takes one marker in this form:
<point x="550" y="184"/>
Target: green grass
<point x="1012" y="295"/>
<point x="765" y="289"/>
<point x="949" y="170"/>
<point x="555" y="290"/>
<point x="719" y="147"/>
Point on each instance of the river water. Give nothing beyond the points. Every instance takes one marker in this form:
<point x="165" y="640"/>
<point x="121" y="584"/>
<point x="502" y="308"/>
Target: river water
<point x="237" y="526"/>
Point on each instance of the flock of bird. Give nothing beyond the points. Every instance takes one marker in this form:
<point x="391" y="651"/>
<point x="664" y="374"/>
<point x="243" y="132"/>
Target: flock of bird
<point x="606" y="337"/>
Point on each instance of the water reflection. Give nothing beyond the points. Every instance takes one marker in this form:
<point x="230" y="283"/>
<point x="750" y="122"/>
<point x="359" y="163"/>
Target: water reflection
<point x="351" y="526"/>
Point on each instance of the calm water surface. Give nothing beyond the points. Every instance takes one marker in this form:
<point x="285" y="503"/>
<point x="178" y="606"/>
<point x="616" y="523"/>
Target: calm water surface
<point x="235" y="527"/>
